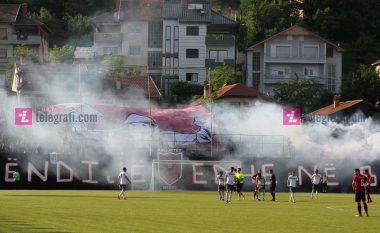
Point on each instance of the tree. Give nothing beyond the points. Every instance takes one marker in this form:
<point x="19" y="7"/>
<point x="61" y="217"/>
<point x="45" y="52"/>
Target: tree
<point x="364" y="83"/>
<point x="79" y="30"/>
<point x="265" y="18"/>
<point x="186" y="91"/>
<point x="64" y="54"/>
<point x="302" y="93"/>
<point x="221" y="75"/>
<point x="114" y="65"/>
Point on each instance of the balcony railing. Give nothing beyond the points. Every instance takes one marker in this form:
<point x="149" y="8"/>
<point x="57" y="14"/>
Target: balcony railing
<point x="26" y="40"/>
<point x="275" y="79"/>
<point x="212" y="63"/>
<point x="108" y="37"/>
<point x="296" y="59"/>
<point x="220" y="40"/>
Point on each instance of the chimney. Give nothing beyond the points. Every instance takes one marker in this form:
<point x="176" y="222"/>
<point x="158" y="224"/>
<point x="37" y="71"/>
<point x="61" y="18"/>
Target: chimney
<point x="336" y="101"/>
<point x="184" y="2"/>
<point x="117" y="4"/>
<point x="206" y="90"/>
<point x="24" y="9"/>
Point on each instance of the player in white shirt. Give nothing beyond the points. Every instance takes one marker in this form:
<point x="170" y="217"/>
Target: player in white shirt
<point x="221" y="186"/>
<point x="230" y="181"/>
<point x="315" y="181"/>
<point x="122" y="181"/>
<point x="260" y="182"/>
<point x="292" y="183"/>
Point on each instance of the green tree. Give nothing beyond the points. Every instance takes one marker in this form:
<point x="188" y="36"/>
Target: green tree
<point x="185" y="91"/>
<point x="64" y="54"/>
<point x="221" y="75"/>
<point x="364" y="83"/>
<point x="79" y="30"/>
<point x="302" y="93"/>
<point x="114" y="65"/>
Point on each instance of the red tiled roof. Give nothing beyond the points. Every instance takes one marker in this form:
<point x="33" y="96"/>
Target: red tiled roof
<point x="239" y="90"/>
<point x="328" y="110"/>
<point x="9" y="12"/>
<point x="139" y="82"/>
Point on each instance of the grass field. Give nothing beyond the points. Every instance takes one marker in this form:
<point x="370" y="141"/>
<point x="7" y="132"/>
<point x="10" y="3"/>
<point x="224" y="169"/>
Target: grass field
<point x="179" y="211"/>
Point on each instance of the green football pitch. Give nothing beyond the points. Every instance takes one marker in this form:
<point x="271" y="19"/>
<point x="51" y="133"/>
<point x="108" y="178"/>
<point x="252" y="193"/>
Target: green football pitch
<point x="179" y="211"/>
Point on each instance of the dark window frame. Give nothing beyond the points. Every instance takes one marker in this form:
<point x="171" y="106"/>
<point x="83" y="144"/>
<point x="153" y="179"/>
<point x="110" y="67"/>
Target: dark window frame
<point x="192" y="53"/>
<point x="192" y="31"/>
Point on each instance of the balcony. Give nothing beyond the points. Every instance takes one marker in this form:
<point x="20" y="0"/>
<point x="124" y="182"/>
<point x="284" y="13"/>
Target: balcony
<point x="28" y="40"/>
<point x="220" y="40"/>
<point x="211" y="63"/>
<point x="275" y="79"/>
<point x="295" y="59"/>
<point x="115" y="38"/>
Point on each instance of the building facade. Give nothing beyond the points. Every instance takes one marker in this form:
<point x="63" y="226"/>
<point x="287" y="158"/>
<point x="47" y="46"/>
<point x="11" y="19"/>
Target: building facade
<point x="16" y="28"/>
<point x="171" y="42"/>
<point x="294" y="53"/>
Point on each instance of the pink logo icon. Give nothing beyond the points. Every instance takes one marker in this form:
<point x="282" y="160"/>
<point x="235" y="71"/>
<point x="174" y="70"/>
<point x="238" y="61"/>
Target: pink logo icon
<point x="23" y="116"/>
<point x="291" y="116"/>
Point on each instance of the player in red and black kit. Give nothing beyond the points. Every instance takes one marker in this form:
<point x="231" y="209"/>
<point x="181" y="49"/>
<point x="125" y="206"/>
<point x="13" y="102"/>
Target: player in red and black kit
<point x="358" y="184"/>
<point x="368" y="185"/>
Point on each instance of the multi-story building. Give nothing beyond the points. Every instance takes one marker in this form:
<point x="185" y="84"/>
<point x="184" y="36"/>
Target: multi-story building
<point x="16" y="28"/>
<point x="195" y="38"/>
<point x="170" y="41"/>
<point x="294" y="53"/>
<point x="133" y="30"/>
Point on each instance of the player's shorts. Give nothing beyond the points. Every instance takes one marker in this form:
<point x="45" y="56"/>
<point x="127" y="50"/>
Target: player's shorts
<point x="261" y="188"/>
<point x="123" y="187"/>
<point x="292" y="189"/>
<point x="230" y="187"/>
<point x="239" y="186"/>
<point x="221" y="187"/>
<point x="315" y="187"/>
<point x="360" y="196"/>
<point x="368" y="189"/>
<point x="272" y="188"/>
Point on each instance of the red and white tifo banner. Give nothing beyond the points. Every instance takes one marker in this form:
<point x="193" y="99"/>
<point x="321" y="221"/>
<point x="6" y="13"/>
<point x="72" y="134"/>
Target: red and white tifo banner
<point x="168" y="170"/>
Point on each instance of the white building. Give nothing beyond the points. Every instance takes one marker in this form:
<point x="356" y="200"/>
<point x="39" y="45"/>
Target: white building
<point x="294" y="53"/>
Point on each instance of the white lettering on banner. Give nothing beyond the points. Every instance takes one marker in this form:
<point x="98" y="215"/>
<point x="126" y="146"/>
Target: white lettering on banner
<point x="328" y="170"/>
<point x="195" y="174"/>
<point x="32" y="168"/>
<point x="59" y="179"/>
<point x="374" y="177"/>
<point x="90" y="180"/>
<point x="265" y="171"/>
<point x="302" y="168"/>
<point x="8" y="172"/>
<point x="137" y="172"/>
<point x="217" y="168"/>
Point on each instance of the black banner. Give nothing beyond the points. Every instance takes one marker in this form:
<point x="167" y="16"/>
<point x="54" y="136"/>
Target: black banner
<point x="64" y="172"/>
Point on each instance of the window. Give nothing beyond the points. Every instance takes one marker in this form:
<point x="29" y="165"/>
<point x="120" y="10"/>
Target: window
<point x="176" y="39"/>
<point x="3" y="78"/>
<point x="329" y="52"/>
<point x="310" y="71"/>
<point x="167" y="66"/>
<point x="3" y="53"/>
<point x="192" y="77"/>
<point x="167" y="39"/>
<point x="280" y="71"/>
<point x="192" y="53"/>
<point x="331" y="77"/>
<point x="192" y="31"/>
<point x="311" y="51"/>
<point x="134" y="50"/>
<point x="135" y="28"/>
<point x="154" y="59"/>
<point x="281" y="50"/>
<point x="3" y="34"/>
<point x="256" y="80"/>
<point x="256" y="61"/>
<point x="155" y="34"/>
<point x="176" y="65"/>
<point x="218" y="55"/>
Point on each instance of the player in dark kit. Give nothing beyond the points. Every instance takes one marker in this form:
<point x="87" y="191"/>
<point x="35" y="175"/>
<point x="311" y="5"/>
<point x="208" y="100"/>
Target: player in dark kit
<point x="272" y="184"/>
<point x="368" y="185"/>
<point x="358" y="184"/>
